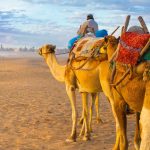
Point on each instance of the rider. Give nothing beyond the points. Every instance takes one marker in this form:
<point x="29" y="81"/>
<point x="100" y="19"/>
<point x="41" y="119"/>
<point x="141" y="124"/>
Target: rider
<point x="89" y="27"/>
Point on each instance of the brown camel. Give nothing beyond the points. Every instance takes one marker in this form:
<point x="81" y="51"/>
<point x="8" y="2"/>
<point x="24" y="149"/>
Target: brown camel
<point x="76" y="79"/>
<point x="133" y="92"/>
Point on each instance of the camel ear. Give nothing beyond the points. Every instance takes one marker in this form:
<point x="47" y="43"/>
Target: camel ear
<point x="54" y="47"/>
<point x="51" y="48"/>
<point x="106" y="39"/>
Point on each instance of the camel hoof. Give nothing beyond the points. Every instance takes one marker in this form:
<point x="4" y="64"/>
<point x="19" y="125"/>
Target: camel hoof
<point x="86" y="138"/>
<point x="70" y="140"/>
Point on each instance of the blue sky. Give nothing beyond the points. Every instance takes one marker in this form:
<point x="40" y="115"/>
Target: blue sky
<point x="37" y="22"/>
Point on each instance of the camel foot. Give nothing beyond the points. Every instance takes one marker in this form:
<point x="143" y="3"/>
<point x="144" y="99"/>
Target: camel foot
<point x="70" y="140"/>
<point x="86" y="138"/>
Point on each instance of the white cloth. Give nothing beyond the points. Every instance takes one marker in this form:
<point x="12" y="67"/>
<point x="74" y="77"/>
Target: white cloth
<point x="90" y="26"/>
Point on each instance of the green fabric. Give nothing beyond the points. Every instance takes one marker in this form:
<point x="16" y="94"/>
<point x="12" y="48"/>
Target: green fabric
<point x="146" y="56"/>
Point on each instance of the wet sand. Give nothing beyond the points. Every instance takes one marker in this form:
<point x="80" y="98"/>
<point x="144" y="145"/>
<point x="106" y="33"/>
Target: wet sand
<point x="35" y="112"/>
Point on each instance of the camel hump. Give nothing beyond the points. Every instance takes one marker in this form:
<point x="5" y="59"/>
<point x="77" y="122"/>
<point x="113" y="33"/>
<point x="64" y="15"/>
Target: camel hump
<point x="85" y="45"/>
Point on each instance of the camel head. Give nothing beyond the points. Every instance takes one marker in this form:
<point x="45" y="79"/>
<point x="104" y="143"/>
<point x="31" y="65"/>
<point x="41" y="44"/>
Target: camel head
<point x="109" y="45"/>
<point x="46" y="49"/>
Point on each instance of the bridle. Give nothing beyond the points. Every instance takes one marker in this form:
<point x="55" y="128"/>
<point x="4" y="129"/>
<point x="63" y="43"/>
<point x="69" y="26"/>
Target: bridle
<point x="49" y="51"/>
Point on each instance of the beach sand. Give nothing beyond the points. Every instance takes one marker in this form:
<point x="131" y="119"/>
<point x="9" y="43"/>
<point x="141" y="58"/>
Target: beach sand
<point x="35" y="112"/>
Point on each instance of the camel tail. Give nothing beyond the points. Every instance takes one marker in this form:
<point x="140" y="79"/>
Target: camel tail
<point x="145" y="121"/>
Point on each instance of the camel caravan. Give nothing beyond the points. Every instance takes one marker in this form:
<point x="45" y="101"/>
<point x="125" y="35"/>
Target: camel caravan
<point x="120" y="68"/>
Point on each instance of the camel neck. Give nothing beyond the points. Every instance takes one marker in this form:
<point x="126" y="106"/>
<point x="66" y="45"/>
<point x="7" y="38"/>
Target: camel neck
<point x="111" y="51"/>
<point x="56" y="69"/>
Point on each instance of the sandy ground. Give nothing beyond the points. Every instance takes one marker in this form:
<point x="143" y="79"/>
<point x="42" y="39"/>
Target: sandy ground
<point x="35" y="112"/>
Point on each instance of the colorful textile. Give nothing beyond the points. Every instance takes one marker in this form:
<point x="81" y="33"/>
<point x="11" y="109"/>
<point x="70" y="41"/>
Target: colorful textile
<point x="146" y="56"/>
<point x="101" y="33"/>
<point x="72" y="41"/>
<point x="98" y="34"/>
<point x="85" y="45"/>
<point x="131" y="45"/>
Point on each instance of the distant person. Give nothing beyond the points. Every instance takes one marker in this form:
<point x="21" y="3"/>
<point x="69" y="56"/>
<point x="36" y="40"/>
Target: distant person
<point x="89" y="27"/>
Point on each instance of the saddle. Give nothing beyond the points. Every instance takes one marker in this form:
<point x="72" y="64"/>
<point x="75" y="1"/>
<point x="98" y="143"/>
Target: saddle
<point x="131" y="44"/>
<point x="129" y="59"/>
<point x="87" y="45"/>
<point x="87" y="49"/>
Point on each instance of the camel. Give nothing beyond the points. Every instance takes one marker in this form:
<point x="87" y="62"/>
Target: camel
<point x="133" y="92"/>
<point x="99" y="78"/>
<point x="75" y="79"/>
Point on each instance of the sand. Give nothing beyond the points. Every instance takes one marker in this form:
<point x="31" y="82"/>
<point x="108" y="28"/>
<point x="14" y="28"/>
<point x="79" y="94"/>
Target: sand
<point x="35" y="112"/>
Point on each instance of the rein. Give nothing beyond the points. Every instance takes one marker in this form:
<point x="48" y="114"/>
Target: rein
<point x="55" y="54"/>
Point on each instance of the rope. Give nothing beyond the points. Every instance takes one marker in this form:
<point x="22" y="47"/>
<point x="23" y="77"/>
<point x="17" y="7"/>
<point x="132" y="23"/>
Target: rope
<point x="62" y="53"/>
<point x="72" y="67"/>
<point x="122" y="78"/>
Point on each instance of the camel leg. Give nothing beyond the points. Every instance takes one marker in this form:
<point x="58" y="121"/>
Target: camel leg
<point x="121" y="121"/>
<point x="145" y="121"/>
<point x="86" y="122"/>
<point x="96" y="101"/>
<point x="137" y="138"/>
<point x="92" y="102"/>
<point x="72" y="98"/>
<point x="82" y="129"/>
<point x="82" y="118"/>
<point x="93" y="95"/>
<point x="98" y="118"/>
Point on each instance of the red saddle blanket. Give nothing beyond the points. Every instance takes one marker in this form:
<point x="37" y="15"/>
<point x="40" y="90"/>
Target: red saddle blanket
<point x="131" y="45"/>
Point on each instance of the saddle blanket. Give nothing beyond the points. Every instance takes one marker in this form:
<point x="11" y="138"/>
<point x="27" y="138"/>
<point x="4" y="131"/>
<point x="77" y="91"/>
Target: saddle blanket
<point x="85" y="46"/>
<point x="131" y="45"/>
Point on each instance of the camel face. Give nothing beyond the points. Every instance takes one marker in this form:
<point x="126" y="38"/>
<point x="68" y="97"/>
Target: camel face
<point x="109" y="41"/>
<point x="47" y="49"/>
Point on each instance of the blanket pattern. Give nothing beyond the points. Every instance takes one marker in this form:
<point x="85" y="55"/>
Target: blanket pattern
<point x="131" y="45"/>
<point x="84" y="46"/>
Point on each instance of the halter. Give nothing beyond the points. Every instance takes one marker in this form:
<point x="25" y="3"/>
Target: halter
<point x="49" y="51"/>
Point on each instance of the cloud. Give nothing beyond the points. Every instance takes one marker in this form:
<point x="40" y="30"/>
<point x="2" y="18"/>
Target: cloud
<point x="140" y="2"/>
<point x="35" y="22"/>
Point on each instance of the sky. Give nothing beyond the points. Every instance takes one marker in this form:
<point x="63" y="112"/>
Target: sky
<point x="37" y="22"/>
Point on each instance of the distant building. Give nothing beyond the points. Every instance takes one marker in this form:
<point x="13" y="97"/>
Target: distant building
<point x="1" y="48"/>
